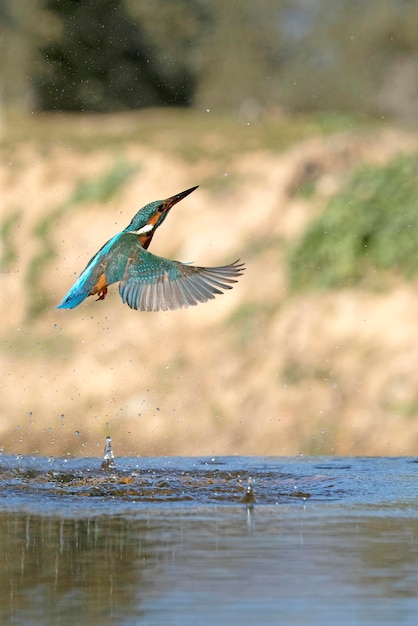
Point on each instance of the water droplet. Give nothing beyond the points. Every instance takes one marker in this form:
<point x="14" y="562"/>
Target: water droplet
<point x="108" y="456"/>
<point x="108" y="451"/>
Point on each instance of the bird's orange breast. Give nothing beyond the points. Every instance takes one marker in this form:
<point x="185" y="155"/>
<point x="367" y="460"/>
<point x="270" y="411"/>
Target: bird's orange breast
<point x="100" y="285"/>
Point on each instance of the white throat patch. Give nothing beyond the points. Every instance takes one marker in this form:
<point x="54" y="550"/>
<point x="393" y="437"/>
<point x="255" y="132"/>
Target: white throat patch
<point x="145" y="229"/>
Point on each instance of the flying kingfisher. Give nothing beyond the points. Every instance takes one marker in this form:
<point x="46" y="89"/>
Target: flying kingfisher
<point x="148" y="282"/>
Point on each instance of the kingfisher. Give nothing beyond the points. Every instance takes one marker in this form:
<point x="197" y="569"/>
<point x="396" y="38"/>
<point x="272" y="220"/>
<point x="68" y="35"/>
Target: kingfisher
<point x="148" y="282"/>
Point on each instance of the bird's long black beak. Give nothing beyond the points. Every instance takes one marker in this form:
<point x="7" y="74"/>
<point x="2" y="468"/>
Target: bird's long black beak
<point x="169" y="202"/>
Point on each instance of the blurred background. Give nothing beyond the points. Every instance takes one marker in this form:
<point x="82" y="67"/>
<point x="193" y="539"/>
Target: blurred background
<point x="298" y="120"/>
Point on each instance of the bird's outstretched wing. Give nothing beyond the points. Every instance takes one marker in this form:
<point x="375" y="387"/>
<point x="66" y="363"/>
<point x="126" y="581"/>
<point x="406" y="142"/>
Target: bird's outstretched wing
<point x="153" y="283"/>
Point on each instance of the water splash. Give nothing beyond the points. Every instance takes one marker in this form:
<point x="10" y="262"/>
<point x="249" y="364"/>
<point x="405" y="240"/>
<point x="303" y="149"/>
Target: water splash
<point x="108" y="456"/>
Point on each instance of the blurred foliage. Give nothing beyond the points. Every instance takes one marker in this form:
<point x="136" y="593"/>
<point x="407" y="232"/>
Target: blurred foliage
<point x="187" y="134"/>
<point x="247" y="320"/>
<point x="372" y="224"/>
<point x="272" y="55"/>
<point x="8" y="249"/>
<point x="103" y="60"/>
<point x="104" y="187"/>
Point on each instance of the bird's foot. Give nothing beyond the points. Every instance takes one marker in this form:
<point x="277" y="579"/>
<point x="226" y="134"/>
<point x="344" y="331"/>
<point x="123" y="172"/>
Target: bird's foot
<point x="101" y="294"/>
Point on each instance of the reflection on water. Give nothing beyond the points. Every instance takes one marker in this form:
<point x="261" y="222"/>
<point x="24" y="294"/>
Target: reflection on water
<point x="64" y="567"/>
<point x="344" y="553"/>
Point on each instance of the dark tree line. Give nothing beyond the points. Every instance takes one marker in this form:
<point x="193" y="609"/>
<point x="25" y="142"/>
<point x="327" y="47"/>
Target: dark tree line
<point x="103" y="61"/>
<point x="296" y="55"/>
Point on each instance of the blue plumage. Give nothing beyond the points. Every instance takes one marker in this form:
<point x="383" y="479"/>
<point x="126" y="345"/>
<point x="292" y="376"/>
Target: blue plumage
<point x="148" y="282"/>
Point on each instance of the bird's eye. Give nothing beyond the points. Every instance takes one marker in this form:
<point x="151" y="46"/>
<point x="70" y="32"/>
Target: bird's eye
<point x="160" y="208"/>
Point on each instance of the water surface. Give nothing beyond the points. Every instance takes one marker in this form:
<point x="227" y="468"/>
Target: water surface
<point x="190" y="541"/>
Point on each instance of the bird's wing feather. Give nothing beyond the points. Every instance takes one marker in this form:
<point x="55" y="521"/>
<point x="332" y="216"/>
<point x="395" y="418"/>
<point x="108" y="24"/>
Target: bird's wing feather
<point x="152" y="283"/>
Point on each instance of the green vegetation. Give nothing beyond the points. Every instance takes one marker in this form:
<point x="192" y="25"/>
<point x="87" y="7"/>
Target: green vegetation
<point x="58" y="347"/>
<point x="294" y="372"/>
<point x="189" y="135"/>
<point x="8" y="247"/>
<point x="104" y="187"/>
<point x="248" y="320"/>
<point x="370" y="226"/>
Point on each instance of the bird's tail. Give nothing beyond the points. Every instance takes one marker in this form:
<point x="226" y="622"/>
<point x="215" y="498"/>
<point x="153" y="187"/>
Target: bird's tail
<point x="74" y="297"/>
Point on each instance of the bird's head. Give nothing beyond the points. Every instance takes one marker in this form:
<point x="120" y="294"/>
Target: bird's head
<point x="151" y="216"/>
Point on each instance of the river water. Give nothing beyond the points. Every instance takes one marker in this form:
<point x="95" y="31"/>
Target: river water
<point x="198" y="541"/>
